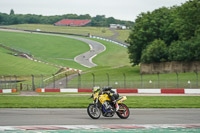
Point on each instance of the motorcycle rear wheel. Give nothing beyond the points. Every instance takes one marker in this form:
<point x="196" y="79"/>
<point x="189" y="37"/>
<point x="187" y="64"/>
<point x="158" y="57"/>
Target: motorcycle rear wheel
<point x="93" y="112"/>
<point x="123" y="111"/>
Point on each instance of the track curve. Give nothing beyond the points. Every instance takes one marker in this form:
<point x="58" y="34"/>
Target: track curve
<point x="85" y="59"/>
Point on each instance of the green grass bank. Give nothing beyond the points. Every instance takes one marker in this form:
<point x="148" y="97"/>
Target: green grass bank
<point x="78" y="101"/>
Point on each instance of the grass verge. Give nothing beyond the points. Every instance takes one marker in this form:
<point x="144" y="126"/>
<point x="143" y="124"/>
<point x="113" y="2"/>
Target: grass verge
<point x="8" y="94"/>
<point x="78" y="101"/>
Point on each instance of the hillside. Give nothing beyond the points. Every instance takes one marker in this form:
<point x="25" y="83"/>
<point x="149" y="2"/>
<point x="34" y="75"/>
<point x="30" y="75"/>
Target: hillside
<point x="62" y="50"/>
<point x="53" y="49"/>
<point x="12" y="65"/>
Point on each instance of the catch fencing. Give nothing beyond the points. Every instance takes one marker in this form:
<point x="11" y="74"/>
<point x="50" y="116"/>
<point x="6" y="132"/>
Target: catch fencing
<point x="82" y="81"/>
<point x="125" y="81"/>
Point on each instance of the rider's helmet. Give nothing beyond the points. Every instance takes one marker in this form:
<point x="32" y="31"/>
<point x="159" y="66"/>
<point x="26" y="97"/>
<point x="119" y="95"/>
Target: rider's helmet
<point x="107" y="88"/>
<point x="96" y="88"/>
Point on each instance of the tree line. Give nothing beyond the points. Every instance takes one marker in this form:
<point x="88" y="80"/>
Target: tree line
<point x="97" y="21"/>
<point x="166" y="34"/>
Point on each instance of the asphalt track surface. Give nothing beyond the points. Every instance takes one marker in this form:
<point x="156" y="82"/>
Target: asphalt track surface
<point x="22" y="117"/>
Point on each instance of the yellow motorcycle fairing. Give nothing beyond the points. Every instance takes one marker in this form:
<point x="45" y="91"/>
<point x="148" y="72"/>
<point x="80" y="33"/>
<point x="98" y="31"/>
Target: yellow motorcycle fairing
<point x="103" y="98"/>
<point x="95" y="95"/>
<point x="122" y="100"/>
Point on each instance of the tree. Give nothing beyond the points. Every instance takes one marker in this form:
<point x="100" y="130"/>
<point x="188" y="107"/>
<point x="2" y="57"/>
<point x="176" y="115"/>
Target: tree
<point x="177" y="52"/>
<point x="185" y="50"/>
<point x="188" y="19"/>
<point x="155" y="52"/>
<point x="12" y="12"/>
<point x="148" y="27"/>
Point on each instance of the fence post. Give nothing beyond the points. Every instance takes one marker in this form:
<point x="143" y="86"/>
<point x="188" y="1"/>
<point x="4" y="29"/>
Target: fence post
<point x="177" y="84"/>
<point x="54" y="84"/>
<point x="93" y="76"/>
<point x="141" y="76"/>
<point x="10" y="82"/>
<point x="124" y="80"/>
<point x="5" y="81"/>
<point x="79" y="80"/>
<point x="21" y="87"/>
<point x="197" y="80"/>
<point x="33" y="84"/>
<point x="158" y="79"/>
<point x="42" y="81"/>
<point x="0" y="82"/>
<point x="108" y="79"/>
<point x="15" y="81"/>
<point x="66" y="79"/>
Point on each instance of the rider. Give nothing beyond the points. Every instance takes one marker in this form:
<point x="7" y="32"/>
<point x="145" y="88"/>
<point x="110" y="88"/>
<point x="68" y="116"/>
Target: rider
<point x="113" y="96"/>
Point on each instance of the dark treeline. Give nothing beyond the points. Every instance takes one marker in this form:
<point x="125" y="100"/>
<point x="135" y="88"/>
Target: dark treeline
<point x="98" y="20"/>
<point x="166" y="34"/>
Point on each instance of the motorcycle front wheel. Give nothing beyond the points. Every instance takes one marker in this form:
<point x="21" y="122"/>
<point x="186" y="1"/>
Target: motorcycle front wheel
<point x="93" y="112"/>
<point x="123" y="111"/>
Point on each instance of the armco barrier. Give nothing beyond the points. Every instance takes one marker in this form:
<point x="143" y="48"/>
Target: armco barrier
<point x="8" y="90"/>
<point x="138" y="91"/>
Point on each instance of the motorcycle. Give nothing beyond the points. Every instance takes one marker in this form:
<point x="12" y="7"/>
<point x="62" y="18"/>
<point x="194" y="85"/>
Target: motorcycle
<point x="102" y="104"/>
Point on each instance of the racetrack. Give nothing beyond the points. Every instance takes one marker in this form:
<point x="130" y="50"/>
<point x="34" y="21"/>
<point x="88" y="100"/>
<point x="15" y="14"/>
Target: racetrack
<point x="84" y="59"/>
<point x="21" y="117"/>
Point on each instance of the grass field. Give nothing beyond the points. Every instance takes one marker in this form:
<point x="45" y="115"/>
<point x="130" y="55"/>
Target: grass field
<point x="83" y="101"/>
<point x="45" y="47"/>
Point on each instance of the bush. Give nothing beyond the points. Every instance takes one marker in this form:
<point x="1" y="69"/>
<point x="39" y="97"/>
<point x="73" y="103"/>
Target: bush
<point x="155" y="52"/>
